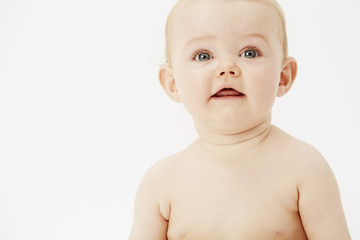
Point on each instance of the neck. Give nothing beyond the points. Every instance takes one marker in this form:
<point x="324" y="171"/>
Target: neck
<point x="219" y="144"/>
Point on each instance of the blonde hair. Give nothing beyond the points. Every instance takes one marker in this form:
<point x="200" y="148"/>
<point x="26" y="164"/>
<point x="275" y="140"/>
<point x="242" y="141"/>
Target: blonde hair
<point x="181" y="3"/>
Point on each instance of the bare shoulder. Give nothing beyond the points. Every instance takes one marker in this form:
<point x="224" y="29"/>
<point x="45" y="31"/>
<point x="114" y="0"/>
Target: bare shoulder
<point x="163" y="170"/>
<point x="157" y="182"/>
<point x="319" y="200"/>
<point x="308" y="163"/>
<point x="297" y="151"/>
<point x="152" y="203"/>
<point x="305" y="162"/>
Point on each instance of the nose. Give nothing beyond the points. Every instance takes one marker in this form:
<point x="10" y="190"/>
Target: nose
<point x="228" y="69"/>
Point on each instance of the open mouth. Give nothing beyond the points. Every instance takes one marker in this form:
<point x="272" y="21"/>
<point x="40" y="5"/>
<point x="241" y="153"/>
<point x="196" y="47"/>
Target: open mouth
<point x="228" y="92"/>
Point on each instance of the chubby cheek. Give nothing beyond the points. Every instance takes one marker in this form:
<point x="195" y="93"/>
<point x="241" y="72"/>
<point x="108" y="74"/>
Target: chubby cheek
<point x="264" y="87"/>
<point x="194" y="90"/>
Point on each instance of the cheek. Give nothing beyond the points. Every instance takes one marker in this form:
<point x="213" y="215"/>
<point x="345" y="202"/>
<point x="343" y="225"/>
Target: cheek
<point x="265" y="85"/>
<point x="193" y="87"/>
<point x="185" y="85"/>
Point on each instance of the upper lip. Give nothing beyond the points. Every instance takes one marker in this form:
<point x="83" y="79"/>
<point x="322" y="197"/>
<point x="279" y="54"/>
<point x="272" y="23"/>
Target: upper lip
<point x="227" y="87"/>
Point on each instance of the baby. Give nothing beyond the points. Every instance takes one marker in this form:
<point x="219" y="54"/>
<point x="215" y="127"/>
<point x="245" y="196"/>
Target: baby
<point x="243" y="178"/>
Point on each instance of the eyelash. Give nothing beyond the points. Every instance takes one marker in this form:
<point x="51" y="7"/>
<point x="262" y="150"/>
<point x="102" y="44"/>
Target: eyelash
<point x="195" y="54"/>
<point x="257" y="50"/>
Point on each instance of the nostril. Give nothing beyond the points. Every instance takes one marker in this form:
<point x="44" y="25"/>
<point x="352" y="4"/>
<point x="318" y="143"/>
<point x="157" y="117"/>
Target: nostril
<point x="234" y="73"/>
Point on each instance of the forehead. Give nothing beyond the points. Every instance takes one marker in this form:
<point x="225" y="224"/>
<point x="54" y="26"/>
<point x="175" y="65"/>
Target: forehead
<point x="224" y="19"/>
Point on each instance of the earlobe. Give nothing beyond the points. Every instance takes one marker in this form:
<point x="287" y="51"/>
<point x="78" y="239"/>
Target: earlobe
<point x="288" y="75"/>
<point x="167" y="81"/>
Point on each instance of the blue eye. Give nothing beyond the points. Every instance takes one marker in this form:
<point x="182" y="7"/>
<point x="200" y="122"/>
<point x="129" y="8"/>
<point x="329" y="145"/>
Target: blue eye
<point x="202" y="56"/>
<point x="250" y="54"/>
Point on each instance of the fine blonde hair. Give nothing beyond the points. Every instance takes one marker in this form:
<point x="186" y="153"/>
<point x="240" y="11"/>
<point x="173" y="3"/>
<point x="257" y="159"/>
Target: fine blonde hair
<point x="181" y="3"/>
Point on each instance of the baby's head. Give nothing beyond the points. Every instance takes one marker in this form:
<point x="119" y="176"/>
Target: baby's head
<point x="227" y="61"/>
<point x="181" y="4"/>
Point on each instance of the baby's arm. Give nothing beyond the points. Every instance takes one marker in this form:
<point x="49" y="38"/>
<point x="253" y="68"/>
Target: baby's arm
<point x="319" y="202"/>
<point x="149" y="222"/>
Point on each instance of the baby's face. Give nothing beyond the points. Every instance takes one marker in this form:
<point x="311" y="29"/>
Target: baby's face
<point x="227" y="44"/>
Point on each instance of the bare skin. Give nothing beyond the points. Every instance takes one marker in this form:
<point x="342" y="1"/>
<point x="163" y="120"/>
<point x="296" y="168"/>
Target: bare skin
<point x="223" y="192"/>
<point x="243" y="178"/>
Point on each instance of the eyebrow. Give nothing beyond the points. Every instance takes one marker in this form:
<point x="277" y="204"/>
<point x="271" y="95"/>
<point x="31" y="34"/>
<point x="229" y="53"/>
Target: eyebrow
<point x="250" y="35"/>
<point x="255" y="35"/>
<point x="199" y="39"/>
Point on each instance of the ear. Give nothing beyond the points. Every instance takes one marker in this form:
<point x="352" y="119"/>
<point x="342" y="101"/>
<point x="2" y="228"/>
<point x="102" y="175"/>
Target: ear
<point x="167" y="81"/>
<point x="288" y="75"/>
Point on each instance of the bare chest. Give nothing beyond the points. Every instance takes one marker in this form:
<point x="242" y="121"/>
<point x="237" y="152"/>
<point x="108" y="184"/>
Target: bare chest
<point x="248" y="222"/>
<point x="214" y="204"/>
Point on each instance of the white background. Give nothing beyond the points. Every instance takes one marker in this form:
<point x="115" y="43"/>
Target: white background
<point x="82" y="115"/>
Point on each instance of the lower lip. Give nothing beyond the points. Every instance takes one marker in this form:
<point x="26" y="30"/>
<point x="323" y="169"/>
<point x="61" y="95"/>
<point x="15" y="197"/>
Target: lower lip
<point x="228" y="97"/>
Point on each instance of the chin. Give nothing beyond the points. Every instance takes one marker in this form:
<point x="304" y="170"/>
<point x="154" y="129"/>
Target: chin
<point x="228" y="126"/>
